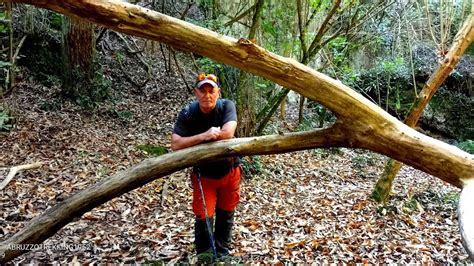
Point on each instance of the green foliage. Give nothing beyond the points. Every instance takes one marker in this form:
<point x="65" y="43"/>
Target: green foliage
<point x="391" y="75"/>
<point x="251" y="165"/>
<point x="124" y="116"/>
<point x="89" y="94"/>
<point x="4" y="64"/>
<point x="207" y="65"/>
<point x="309" y="122"/>
<point x="56" y="20"/>
<point x="6" y="120"/>
<point x="277" y="28"/>
<point x="342" y="68"/>
<point x="437" y="197"/>
<point x="411" y="205"/>
<point x="269" y="28"/>
<point x="386" y="209"/>
<point x="451" y="198"/>
<point x="205" y="258"/>
<point x="338" y="48"/>
<point x="43" y="58"/>
<point x="52" y="105"/>
<point x="470" y="50"/>
<point x="362" y="160"/>
<point x="228" y="77"/>
<point x="324" y="153"/>
<point x="152" y="149"/>
<point x="467" y="146"/>
<point x="456" y="120"/>
<point x="4" y="26"/>
<point x="3" y="69"/>
<point x="37" y="21"/>
<point x="394" y="66"/>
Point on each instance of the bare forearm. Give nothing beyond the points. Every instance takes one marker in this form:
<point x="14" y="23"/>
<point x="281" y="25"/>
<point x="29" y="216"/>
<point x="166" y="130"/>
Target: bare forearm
<point x="178" y="142"/>
<point x="226" y="134"/>
<point x="212" y="134"/>
<point x="228" y="130"/>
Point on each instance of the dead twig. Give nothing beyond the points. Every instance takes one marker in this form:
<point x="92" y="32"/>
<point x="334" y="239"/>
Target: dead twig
<point x="164" y="56"/>
<point x="13" y="63"/>
<point x="101" y="34"/>
<point x="194" y="63"/>
<point x="190" y="90"/>
<point x="17" y="51"/>
<point x="15" y="169"/>
<point x="137" y="54"/>
<point x="129" y="78"/>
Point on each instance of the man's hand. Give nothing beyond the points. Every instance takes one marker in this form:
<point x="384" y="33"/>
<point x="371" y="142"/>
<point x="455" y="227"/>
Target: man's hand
<point x="212" y="134"/>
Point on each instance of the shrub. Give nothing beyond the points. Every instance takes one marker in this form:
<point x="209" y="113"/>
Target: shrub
<point x="6" y="120"/>
<point x="467" y="146"/>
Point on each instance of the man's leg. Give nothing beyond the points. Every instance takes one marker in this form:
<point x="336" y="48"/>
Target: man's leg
<point x="227" y="199"/>
<point x="201" y="233"/>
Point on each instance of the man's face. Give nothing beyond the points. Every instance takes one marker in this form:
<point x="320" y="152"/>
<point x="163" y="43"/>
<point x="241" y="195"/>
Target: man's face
<point x="207" y="97"/>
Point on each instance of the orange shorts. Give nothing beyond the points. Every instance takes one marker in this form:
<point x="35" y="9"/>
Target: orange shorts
<point x="223" y="193"/>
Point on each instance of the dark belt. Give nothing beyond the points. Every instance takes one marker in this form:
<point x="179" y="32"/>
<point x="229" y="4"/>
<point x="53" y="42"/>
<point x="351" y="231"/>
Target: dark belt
<point x="217" y="170"/>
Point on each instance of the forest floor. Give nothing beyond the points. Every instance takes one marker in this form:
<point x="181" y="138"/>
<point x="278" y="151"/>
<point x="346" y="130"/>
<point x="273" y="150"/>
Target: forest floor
<point x="303" y="206"/>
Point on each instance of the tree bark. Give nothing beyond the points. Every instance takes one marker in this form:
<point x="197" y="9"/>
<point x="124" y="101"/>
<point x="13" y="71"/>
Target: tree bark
<point x="307" y="55"/>
<point x="10" y="80"/>
<point x="47" y="224"/>
<point x="78" y="57"/>
<point x="463" y="39"/>
<point x="315" y="45"/>
<point x="245" y="95"/>
<point x="360" y="124"/>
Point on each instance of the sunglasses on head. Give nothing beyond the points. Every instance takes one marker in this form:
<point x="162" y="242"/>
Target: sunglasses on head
<point x="203" y="76"/>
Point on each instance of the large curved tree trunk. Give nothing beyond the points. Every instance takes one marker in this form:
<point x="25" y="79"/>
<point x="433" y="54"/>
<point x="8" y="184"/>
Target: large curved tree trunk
<point x="360" y="124"/>
<point x="461" y="42"/>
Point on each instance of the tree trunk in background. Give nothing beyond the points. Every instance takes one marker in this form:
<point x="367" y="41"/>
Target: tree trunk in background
<point x="308" y="54"/>
<point x="215" y="9"/>
<point x="10" y="79"/>
<point x="283" y="111"/>
<point x="245" y="90"/>
<point x="78" y="57"/>
<point x="461" y="42"/>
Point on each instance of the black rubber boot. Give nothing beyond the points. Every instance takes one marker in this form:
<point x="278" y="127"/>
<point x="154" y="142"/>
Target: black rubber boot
<point x="223" y="231"/>
<point x="201" y="236"/>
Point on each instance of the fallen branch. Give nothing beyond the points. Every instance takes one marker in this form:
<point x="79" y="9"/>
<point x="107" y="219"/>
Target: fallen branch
<point x="466" y="218"/>
<point x="53" y="219"/>
<point x="129" y="78"/>
<point x="15" y="169"/>
<point x="20" y="44"/>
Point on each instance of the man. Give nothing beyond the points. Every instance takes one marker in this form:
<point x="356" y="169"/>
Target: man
<point x="205" y="120"/>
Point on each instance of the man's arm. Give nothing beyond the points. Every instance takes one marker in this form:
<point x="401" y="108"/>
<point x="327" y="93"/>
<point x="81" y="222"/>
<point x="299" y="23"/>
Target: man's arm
<point x="214" y="133"/>
<point x="178" y="142"/>
<point x="228" y="130"/>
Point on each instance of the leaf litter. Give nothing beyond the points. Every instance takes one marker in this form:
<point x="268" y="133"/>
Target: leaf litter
<point x="307" y="206"/>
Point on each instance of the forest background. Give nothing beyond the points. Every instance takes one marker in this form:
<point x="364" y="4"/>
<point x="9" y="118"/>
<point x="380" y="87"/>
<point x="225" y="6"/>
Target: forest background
<point x="90" y="101"/>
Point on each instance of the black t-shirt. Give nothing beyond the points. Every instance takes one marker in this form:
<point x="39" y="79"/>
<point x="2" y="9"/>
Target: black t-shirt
<point x="191" y="121"/>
